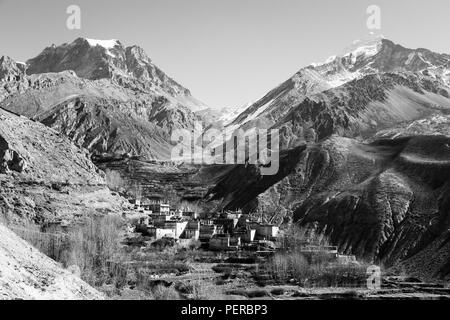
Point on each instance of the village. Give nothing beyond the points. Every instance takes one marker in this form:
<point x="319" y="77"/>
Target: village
<point x="216" y="231"/>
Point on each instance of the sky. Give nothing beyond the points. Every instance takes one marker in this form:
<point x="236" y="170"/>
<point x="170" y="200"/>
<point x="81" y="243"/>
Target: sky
<point x="227" y="52"/>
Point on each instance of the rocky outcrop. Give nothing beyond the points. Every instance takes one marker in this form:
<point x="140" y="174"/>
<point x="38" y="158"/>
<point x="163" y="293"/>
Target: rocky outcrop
<point x="26" y="273"/>
<point x="45" y="177"/>
<point x="11" y="70"/>
<point x="12" y="77"/>
<point x="33" y="149"/>
<point x="10" y="159"/>
<point x="438" y="124"/>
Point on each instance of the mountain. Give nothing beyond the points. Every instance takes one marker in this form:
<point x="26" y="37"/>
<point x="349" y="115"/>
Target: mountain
<point x="372" y="105"/>
<point x="365" y="157"/>
<point x="108" y="98"/>
<point x="362" y="107"/>
<point x="364" y="138"/>
<point x="385" y="201"/>
<point x="109" y="59"/>
<point x="373" y="56"/>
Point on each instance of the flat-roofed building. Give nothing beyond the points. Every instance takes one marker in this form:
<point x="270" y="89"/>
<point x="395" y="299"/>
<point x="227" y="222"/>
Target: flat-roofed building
<point x="265" y="231"/>
<point x="246" y="235"/>
<point x="159" y="219"/>
<point x="193" y="224"/>
<point x="224" y="242"/>
<point x="219" y="242"/>
<point x="191" y="234"/>
<point x="190" y="215"/>
<point x="158" y="208"/>
<point x="177" y="226"/>
<point x="207" y="231"/>
<point x="192" y="230"/>
<point x="159" y="233"/>
<point x="171" y="228"/>
<point x="227" y="224"/>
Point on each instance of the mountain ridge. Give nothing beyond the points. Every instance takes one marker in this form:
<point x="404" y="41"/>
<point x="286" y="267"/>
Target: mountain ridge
<point x="339" y="70"/>
<point x="91" y="60"/>
<point x="88" y="87"/>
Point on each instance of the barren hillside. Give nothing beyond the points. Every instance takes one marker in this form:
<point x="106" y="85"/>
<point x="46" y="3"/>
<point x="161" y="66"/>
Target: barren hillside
<point x="25" y="273"/>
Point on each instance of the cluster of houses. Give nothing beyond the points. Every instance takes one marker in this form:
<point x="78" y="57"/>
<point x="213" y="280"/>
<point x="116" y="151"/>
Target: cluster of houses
<point x="219" y="231"/>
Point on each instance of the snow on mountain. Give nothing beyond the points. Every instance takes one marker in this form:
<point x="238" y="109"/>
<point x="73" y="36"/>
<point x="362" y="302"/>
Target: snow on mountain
<point x="107" y="44"/>
<point x="373" y="55"/>
<point x="359" y="48"/>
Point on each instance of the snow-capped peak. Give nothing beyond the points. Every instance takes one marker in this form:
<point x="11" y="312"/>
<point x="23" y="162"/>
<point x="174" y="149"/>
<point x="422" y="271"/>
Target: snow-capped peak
<point x="368" y="47"/>
<point x="107" y="44"/>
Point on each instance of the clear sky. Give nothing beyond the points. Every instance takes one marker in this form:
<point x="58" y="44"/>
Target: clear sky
<point x="227" y="52"/>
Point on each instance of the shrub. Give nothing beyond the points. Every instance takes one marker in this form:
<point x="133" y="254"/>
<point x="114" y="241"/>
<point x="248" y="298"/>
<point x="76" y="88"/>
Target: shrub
<point x="161" y="292"/>
<point x="93" y="248"/>
<point x="115" y="181"/>
<point x="203" y="290"/>
<point x="317" y="268"/>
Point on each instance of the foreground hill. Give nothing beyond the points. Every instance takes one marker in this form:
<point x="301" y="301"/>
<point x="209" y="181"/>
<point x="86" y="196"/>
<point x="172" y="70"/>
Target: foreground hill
<point x="45" y="177"/>
<point x="26" y="273"/>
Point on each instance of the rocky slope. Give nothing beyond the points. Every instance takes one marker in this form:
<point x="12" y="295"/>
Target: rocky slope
<point x="362" y="107"/>
<point x="385" y="201"/>
<point x="44" y="177"/>
<point x="434" y="125"/>
<point x="25" y="273"/>
<point x="32" y="149"/>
